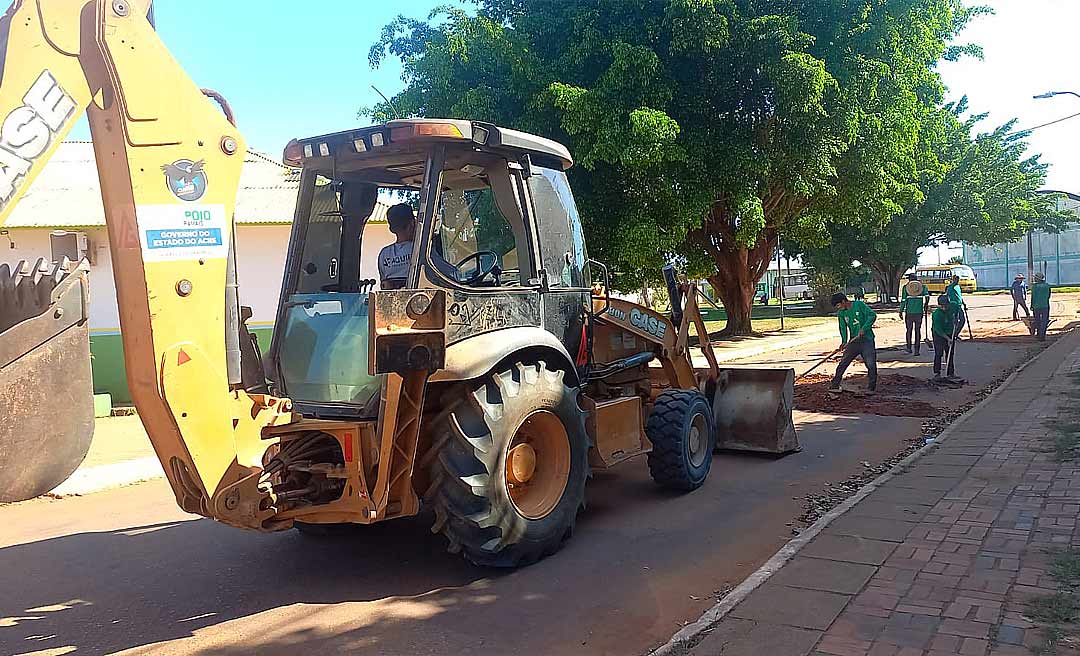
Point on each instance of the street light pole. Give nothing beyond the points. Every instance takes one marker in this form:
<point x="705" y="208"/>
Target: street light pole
<point x="780" y="277"/>
<point x="1030" y="257"/>
<point x="1031" y="260"/>
<point x="1051" y="94"/>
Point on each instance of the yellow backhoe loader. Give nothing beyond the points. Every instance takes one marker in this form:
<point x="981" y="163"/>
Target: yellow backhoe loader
<point x="487" y="386"/>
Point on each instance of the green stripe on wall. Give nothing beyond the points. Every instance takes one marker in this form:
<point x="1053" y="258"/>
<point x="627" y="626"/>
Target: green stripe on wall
<point x="107" y="362"/>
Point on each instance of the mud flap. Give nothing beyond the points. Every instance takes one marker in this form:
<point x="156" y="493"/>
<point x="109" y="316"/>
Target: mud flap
<point x="46" y="389"/>
<point x="753" y="411"/>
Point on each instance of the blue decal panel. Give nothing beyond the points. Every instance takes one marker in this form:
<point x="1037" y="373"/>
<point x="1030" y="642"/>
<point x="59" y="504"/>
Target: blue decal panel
<point x="183" y="232"/>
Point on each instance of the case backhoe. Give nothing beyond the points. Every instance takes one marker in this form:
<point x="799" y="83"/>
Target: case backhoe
<point x="486" y="388"/>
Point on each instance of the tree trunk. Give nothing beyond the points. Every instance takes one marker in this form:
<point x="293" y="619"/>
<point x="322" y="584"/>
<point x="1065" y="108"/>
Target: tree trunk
<point x="888" y="276"/>
<point x="646" y="296"/>
<point x="737" y="274"/>
<point x="738" y="268"/>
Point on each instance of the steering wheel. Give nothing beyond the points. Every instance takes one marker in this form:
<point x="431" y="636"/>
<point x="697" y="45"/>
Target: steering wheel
<point x="481" y="270"/>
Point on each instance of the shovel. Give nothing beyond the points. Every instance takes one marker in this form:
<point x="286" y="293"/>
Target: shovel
<point x="819" y="363"/>
<point x="926" y="330"/>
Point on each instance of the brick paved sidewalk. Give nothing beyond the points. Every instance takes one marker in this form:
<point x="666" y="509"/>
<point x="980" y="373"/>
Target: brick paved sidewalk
<point x="942" y="558"/>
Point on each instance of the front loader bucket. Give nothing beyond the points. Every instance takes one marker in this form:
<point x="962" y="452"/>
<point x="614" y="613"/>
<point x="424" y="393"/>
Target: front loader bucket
<point x="753" y="410"/>
<point x="46" y="391"/>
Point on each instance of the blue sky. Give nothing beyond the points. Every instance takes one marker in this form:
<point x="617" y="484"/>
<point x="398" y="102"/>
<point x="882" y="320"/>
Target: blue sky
<point x="1030" y="48"/>
<point x="294" y="69"/>
<point x="289" y="69"/>
<point x="298" y="69"/>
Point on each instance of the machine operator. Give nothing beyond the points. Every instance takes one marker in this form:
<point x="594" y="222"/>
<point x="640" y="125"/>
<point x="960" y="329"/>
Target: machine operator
<point x="396" y="258"/>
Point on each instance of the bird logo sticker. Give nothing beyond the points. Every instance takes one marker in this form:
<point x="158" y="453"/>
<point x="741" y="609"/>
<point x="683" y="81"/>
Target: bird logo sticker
<point x="186" y="179"/>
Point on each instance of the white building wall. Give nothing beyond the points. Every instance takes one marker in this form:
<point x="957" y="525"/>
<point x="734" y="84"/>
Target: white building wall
<point x="261" y="251"/>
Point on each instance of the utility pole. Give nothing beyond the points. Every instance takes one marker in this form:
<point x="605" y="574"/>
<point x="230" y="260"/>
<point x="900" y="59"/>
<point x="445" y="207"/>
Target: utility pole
<point x="1030" y="258"/>
<point x="780" y="276"/>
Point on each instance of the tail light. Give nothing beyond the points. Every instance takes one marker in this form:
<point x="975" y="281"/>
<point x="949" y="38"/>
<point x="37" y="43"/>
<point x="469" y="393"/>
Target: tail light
<point x="293" y="154"/>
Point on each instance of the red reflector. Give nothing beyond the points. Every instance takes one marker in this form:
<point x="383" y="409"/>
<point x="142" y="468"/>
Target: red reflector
<point x="348" y="447"/>
<point x="182" y="357"/>
<point x="583" y="350"/>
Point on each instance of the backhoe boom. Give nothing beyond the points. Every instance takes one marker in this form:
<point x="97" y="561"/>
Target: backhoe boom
<point x="169" y="164"/>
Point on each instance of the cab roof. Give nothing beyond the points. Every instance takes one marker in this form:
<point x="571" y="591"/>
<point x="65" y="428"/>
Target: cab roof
<point x="410" y="134"/>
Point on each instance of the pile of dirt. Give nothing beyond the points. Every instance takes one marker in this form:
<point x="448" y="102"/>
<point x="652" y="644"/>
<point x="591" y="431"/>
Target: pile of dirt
<point x="816" y="398"/>
<point x="812" y="395"/>
<point x="813" y="379"/>
<point x="886" y="382"/>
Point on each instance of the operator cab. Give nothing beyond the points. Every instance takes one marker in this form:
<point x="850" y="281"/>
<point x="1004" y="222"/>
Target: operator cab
<point x="495" y="226"/>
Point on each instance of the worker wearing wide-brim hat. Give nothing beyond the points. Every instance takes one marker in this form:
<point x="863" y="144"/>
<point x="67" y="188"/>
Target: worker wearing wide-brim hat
<point x="1040" y="305"/>
<point x="1019" y="290"/>
<point x="913" y="302"/>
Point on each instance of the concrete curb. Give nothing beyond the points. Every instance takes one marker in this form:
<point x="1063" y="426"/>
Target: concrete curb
<point x="709" y="618"/>
<point x="106" y="477"/>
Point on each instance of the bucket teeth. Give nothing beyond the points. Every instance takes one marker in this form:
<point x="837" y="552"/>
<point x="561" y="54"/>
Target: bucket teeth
<point x="26" y="290"/>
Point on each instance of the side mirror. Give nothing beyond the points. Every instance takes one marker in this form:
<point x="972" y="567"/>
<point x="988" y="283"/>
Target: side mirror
<point x="607" y="285"/>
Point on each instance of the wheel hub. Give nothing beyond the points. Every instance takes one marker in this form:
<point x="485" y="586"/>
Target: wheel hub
<point x="538" y="465"/>
<point x="521" y="465"/>
<point x="697" y="440"/>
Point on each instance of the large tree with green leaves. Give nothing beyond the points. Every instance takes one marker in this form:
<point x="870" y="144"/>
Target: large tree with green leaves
<point x="980" y="188"/>
<point x="703" y="129"/>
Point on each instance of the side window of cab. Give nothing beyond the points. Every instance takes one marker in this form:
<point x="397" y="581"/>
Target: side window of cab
<point x="562" y="243"/>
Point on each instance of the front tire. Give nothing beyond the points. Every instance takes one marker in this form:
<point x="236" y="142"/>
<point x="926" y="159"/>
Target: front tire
<point x="682" y="430"/>
<point x="509" y="468"/>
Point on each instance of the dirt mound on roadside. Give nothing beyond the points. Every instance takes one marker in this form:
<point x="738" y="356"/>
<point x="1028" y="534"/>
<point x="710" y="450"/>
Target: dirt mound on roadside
<point x="886" y="382"/>
<point x="812" y="395"/>
<point x="816" y="398"/>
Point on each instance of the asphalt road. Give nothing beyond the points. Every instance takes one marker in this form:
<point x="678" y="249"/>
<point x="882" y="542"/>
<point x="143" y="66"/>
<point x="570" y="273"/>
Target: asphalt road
<point x="126" y="570"/>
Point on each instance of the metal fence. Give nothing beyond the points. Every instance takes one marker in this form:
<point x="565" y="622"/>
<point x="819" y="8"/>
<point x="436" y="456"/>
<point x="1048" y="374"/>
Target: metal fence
<point x="1055" y="255"/>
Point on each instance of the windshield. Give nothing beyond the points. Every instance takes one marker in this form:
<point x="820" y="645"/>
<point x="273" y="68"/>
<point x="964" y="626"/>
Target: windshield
<point x="470" y="232"/>
<point x="323" y="355"/>
<point x="342" y="247"/>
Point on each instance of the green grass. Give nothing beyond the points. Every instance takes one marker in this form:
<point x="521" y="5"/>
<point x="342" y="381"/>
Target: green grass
<point x="1064" y="435"/>
<point x="766" y="318"/>
<point x="1065" y="567"/>
<point x="1058" y="613"/>
<point x="800" y="309"/>
<point x="1052" y="636"/>
<point x="773" y="324"/>
<point x="1058" y="608"/>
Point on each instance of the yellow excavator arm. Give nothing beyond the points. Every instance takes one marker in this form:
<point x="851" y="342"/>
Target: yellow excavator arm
<point x="169" y="163"/>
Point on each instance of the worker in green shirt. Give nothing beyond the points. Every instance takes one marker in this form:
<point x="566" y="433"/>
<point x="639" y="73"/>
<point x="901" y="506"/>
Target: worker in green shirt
<point x="912" y="308"/>
<point x="856" y="321"/>
<point x="956" y="304"/>
<point x="944" y="330"/>
<point x="1040" y="305"/>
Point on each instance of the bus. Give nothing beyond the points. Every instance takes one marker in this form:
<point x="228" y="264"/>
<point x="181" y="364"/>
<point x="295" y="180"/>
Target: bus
<point x="796" y="286"/>
<point x="936" y="278"/>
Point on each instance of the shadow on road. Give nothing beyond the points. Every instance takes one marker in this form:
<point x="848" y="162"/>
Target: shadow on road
<point x="108" y="591"/>
<point x="641" y="559"/>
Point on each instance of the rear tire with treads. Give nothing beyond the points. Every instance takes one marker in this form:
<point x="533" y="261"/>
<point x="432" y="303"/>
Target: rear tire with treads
<point x="491" y="520"/>
<point x="682" y="430"/>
